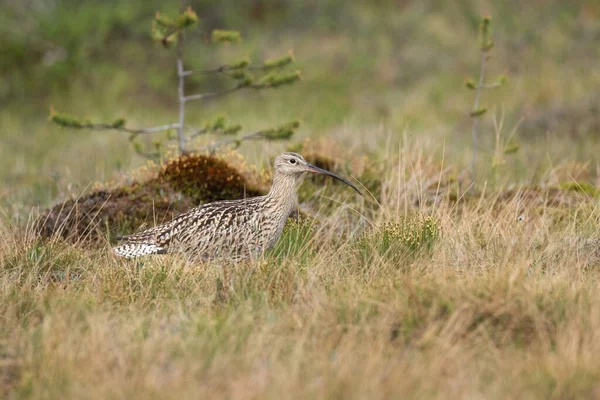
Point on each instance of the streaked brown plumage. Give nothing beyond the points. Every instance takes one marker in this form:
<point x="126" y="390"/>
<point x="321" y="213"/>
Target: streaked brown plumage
<point x="235" y="229"/>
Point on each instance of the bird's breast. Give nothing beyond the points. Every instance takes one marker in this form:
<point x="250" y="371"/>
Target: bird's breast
<point x="274" y="223"/>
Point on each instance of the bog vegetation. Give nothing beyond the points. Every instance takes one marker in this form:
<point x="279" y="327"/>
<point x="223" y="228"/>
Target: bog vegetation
<point x="429" y="286"/>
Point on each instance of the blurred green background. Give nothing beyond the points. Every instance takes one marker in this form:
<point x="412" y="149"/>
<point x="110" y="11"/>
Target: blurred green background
<point x="373" y="72"/>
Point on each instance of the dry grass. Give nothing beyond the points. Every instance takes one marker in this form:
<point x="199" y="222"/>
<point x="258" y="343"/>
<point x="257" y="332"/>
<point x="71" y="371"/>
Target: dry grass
<point x="363" y="302"/>
<point x="491" y="308"/>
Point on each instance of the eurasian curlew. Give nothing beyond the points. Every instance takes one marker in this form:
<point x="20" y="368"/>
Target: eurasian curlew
<point x="236" y="229"/>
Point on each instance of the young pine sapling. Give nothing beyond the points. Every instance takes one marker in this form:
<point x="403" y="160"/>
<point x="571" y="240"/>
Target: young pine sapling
<point x="486" y="44"/>
<point x="170" y="32"/>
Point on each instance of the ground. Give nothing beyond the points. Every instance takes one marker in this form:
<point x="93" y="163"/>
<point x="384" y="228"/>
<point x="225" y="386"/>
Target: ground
<point x="427" y="286"/>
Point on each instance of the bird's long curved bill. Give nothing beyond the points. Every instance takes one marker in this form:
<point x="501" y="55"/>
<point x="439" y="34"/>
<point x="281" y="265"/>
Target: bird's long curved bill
<point x="322" y="171"/>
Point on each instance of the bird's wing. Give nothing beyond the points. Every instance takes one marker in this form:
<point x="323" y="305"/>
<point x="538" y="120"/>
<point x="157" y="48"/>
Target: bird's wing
<point x="197" y="221"/>
<point x="204" y="224"/>
<point x="162" y="234"/>
<point x="150" y="235"/>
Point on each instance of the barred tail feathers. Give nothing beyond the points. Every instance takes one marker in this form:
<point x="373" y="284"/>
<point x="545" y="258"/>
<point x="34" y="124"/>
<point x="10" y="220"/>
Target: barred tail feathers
<point x="132" y="250"/>
<point x="150" y="241"/>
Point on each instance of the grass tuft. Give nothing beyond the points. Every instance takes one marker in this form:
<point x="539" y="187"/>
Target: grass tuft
<point x="396" y="241"/>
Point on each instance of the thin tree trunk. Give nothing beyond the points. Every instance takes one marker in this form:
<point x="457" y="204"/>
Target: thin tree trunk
<point x="180" y="87"/>
<point x="478" y="89"/>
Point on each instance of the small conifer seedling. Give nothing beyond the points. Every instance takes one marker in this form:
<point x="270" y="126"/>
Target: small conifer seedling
<point x="486" y="44"/>
<point x="170" y="33"/>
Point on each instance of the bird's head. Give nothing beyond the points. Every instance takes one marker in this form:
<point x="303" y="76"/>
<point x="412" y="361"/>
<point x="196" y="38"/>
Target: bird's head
<point x="293" y="164"/>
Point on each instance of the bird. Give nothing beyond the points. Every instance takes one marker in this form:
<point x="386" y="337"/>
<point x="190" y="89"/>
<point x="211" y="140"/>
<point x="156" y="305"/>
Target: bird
<point x="231" y="229"/>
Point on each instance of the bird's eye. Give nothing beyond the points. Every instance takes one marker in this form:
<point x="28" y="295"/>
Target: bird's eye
<point x="293" y="161"/>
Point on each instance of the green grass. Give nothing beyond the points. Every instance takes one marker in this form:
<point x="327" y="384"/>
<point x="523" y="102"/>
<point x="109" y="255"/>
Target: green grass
<point x="355" y="77"/>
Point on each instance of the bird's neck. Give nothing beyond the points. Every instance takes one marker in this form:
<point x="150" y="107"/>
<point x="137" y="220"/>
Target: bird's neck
<point x="283" y="189"/>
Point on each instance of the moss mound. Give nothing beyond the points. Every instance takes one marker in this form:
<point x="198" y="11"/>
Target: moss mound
<point x="181" y="183"/>
<point x="204" y="179"/>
